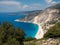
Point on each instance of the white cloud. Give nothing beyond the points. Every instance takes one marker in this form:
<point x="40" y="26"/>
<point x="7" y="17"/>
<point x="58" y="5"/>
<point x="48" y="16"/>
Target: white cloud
<point x="25" y="6"/>
<point x="13" y="6"/>
<point x="50" y="1"/>
<point x="10" y="2"/>
<point x="9" y="6"/>
<point x="34" y="6"/>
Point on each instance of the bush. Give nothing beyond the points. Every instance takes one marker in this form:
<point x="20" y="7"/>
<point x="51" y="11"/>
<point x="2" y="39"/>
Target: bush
<point x="53" y="32"/>
<point x="29" y="39"/>
<point x="10" y="35"/>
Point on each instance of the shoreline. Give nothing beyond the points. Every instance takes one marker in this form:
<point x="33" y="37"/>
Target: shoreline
<point x="39" y="34"/>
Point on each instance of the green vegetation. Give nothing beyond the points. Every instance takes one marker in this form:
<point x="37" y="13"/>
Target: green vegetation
<point x="53" y="32"/>
<point x="10" y="35"/>
<point x="29" y="39"/>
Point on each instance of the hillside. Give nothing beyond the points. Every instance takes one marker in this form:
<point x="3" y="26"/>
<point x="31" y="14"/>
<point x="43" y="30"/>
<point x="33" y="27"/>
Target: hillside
<point x="49" y="16"/>
<point x="29" y="15"/>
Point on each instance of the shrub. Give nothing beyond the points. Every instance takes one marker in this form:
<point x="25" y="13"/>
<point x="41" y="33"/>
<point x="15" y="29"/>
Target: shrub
<point x="53" y="32"/>
<point x="10" y="35"/>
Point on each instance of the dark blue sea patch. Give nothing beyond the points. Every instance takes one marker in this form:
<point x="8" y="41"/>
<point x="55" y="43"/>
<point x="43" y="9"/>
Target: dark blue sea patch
<point x="30" y="29"/>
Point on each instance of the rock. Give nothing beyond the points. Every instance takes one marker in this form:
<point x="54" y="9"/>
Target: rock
<point x="49" y="41"/>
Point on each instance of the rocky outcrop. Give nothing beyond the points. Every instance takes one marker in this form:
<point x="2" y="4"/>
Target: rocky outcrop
<point x="49" y="41"/>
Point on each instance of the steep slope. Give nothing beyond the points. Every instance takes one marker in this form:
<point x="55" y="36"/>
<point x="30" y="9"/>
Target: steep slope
<point x="29" y="15"/>
<point x="49" y="16"/>
<point x="47" y="19"/>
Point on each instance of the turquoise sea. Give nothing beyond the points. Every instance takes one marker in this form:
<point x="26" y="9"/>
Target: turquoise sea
<point x="30" y="29"/>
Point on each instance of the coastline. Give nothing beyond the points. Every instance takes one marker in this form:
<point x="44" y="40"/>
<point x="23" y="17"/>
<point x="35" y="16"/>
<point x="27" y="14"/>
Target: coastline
<point x="40" y="32"/>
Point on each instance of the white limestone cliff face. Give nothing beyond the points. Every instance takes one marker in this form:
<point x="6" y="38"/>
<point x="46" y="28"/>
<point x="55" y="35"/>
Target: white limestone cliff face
<point x="47" y="15"/>
<point x="42" y="19"/>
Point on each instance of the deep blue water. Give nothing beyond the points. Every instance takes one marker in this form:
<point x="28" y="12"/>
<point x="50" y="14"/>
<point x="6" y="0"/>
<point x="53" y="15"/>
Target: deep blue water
<point x="30" y="29"/>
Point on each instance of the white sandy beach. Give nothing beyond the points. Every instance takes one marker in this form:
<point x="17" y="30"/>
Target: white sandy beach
<point x="40" y="32"/>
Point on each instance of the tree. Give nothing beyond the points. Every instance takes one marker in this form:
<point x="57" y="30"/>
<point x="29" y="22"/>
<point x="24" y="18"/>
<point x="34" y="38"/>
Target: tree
<point x="10" y="35"/>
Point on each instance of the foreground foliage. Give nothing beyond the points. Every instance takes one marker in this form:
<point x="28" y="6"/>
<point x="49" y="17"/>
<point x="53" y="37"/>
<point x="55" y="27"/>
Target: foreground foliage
<point x="29" y="39"/>
<point x="10" y="35"/>
<point x="53" y="32"/>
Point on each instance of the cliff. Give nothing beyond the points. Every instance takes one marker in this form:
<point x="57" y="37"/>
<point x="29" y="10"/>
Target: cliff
<point x="49" y="15"/>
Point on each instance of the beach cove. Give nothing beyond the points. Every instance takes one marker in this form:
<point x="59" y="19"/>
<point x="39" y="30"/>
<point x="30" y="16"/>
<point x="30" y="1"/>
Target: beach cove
<point x="30" y="29"/>
<point x="39" y="33"/>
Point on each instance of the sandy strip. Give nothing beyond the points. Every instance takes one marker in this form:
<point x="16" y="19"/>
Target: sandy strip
<point x="39" y="33"/>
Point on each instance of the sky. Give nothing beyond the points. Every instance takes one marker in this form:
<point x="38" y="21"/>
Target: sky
<point x="25" y="5"/>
